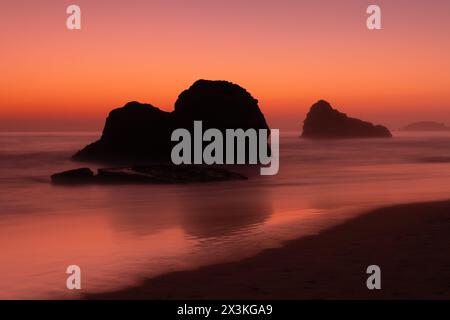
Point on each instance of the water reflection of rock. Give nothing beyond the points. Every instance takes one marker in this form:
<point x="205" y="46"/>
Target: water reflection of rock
<point x="141" y="210"/>
<point x="201" y="210"/>
<point x="218" y="213"/>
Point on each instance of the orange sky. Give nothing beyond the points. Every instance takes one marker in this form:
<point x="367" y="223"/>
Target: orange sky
<point x="288" y="54"/>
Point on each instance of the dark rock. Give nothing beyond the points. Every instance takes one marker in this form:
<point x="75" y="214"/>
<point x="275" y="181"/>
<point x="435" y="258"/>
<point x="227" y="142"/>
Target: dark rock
<point x="77" y="176"/>
<point x="148" y="174"/>
<point x="133" y="132"/>
<point x="166" y="174"/>
<point x="426" y="126"/>
<point x="218" y="104"/>
<point x="324" y="122"/>
<point x="141" y="132"/>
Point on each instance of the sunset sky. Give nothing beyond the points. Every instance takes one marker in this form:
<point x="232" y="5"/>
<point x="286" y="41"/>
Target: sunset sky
<point x="287" y="53"/>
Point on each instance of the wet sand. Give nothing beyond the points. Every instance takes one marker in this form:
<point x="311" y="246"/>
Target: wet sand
<point x="409" y="242"/>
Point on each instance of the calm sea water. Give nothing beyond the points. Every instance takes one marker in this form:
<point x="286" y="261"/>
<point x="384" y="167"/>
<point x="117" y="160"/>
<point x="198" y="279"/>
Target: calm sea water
<point x="121" y="234"/>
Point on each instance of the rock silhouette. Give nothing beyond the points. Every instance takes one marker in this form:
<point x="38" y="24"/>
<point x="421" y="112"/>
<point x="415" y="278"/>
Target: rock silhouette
<point x="147" y="174"/>
<point x="142" y="132"/>
<point x="324" y="122"/>
<point x="426" y="126"/>
<point x="219" y="104"/>
<point x="135" y="131"/>
<point x="76" y="176"/>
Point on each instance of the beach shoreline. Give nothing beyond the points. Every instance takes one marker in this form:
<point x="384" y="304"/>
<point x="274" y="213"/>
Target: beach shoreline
<point x="409" y="242"/>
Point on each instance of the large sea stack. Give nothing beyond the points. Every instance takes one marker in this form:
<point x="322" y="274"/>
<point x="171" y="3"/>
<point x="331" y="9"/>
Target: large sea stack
<point x="218" y="104"/>
<point x="141" y="132"/>
<point x="324" y="122"/>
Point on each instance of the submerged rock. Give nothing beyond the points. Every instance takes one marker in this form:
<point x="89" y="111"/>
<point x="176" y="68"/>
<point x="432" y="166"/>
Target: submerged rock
<point x="155" y="174"/>
<point x="324" y="122"/>
<point x="76" y="176"/>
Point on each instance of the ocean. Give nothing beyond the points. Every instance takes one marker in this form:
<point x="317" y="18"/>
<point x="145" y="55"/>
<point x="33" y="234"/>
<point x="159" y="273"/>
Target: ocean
<point x="121" y="234"/>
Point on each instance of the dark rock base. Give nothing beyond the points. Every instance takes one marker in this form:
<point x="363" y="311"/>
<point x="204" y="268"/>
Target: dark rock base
<point x="148" y="174"/>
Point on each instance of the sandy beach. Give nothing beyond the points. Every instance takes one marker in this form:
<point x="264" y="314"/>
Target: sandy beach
<point x="409" y="242"/>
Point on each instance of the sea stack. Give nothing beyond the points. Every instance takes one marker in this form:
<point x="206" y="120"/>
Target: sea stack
<point x="140" y="132"/>
<point x="325" y="122"/>
<point x="220" y="105"/>
<point x="133" y="132"/>
<point x="426" y="126"/>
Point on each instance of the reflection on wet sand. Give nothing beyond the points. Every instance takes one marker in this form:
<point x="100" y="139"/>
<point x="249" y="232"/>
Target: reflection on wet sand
<point x="225" y="212"/>
<point x="202" y="211"/>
